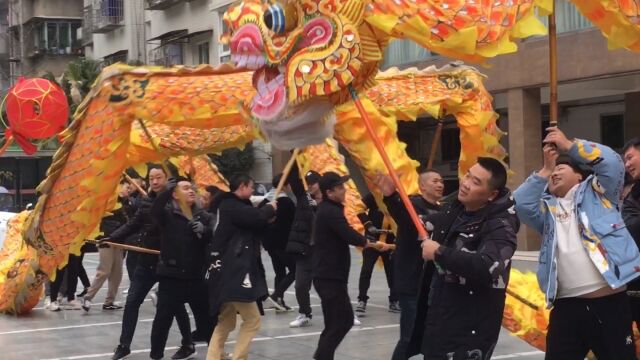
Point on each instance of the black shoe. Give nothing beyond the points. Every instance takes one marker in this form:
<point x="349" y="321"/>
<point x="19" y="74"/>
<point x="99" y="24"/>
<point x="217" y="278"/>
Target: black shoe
<point x="283" y="307"/>
<point x="111" y="307"/>
<point x="185" y="352"/>
<point x="121" y="352"/>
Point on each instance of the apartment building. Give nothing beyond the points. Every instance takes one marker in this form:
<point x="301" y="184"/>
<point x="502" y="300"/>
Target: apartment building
<point x="43" y="36"/>
<point x="599" y="97"/>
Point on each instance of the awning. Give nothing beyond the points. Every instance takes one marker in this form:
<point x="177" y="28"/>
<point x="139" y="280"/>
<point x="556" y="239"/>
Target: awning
<point x="179" y="36"/>
<point x="194" y="34"/>
<point x="170" y="36"/>
<point x="117" y="53"/>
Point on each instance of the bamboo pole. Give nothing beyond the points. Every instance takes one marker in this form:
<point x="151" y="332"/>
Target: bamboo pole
<point x="135" y="185"/>
<point x="422" y="233"/>
<point x="435" y="144"/>
<point x="553" y="68"/>
<point x="126" y="247"/>
<point x="286" y="171"/>
<point x="186" y="210"/>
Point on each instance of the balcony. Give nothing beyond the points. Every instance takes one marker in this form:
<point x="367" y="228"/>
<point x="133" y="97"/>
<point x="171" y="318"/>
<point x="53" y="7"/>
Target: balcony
<point x="108" y="15"/>
<point x="160" y="4"/>
<point x="56" y="37"/>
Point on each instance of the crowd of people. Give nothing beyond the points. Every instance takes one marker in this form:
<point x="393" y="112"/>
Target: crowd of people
<point x="449" y="288"/>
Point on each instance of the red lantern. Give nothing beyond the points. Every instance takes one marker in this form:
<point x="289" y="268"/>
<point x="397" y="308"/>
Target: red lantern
<point x="37" y="109"/>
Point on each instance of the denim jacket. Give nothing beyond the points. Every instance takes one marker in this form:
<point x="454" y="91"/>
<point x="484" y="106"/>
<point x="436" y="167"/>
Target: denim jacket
<point x="604" y="235"/>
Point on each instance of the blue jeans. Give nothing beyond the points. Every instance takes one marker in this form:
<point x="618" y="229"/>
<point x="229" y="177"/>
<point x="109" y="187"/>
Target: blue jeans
<point x="409" y="308"/>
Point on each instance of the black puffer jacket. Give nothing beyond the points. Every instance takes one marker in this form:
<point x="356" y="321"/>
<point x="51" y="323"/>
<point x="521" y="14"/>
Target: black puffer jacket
<point x="467" y="292"/>
<point x="142" y="224"/>
<point x="407" y="257"/>
<point x="237" y="276"/>
<point x="631" y="216"/>
<point x="118" y="217"/>
<point x="299" y="242"/>
<point x="182" y="253"/>
<point x="332" y="236"/>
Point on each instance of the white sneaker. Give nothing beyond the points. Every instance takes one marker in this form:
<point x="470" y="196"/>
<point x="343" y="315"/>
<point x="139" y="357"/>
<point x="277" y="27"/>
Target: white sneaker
<point x="153" y="294"/>
<point x="301" y="321"/>
<point x="73" y="305"/>
<point x="54" y="306"/>
<point x="356" y="321"/>
<point x="47" y="303"/>
<point x="86" y="305"/>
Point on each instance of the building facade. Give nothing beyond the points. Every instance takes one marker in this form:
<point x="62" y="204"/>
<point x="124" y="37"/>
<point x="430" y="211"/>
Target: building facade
<point x="44" y="36"/>
<point x="36" y="37"/>
<point x="599" y="96"/>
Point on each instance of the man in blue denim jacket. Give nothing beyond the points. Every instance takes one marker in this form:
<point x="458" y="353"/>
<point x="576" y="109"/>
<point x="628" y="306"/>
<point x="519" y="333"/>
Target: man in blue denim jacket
<point x="587" y="255"/>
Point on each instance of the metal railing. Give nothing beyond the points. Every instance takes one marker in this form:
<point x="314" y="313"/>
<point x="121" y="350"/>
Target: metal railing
<point x="108" y="15"/>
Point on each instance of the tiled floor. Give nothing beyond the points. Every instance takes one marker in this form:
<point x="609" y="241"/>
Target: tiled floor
<point x="79" y="335"/>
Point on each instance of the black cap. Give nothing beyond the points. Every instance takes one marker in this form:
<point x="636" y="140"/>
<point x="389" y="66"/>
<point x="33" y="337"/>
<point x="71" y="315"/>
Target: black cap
<point x="312" y="177"/>
<point x="330" y="180"/>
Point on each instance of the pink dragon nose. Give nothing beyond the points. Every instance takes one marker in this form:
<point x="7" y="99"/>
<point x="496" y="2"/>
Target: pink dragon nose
<point x="247" y="40"/>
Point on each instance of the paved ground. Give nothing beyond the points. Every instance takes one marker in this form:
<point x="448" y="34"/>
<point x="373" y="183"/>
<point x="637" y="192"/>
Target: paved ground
<point x="79" y="335"/>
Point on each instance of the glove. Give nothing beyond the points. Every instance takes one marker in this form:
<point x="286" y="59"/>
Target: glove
<point x="197" y="227"/>
<point x="371" y="230"/>
<point x="172" y="183"/>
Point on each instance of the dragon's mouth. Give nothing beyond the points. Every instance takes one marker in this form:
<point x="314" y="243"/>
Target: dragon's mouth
<point x="271" y="96"/>
<point x="247" y="49"/>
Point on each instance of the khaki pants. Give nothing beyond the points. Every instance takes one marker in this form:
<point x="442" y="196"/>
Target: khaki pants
<point x="227" y="322"/>
<point x="109" y="267"/>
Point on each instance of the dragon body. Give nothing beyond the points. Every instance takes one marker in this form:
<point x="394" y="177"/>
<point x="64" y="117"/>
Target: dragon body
<point x="296" y="66"/>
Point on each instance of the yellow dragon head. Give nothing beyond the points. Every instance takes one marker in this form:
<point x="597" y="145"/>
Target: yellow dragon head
<point x="305" y="54"/>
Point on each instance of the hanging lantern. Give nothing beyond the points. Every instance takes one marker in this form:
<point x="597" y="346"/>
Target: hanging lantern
<point x="36" y="109"/>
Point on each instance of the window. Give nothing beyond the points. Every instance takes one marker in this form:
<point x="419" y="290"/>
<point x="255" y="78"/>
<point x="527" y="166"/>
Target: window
<point x="168" y="55"/>
<point x="612" y="130"/>
<point x="203" y="53"/>
<point x="568" y="18"/>
<point x="223" y="49"/>
<point x="404" y="51"/>
<point x="58" y="37"/>
<point x="173" y="54"/>
<point x="450" y="144"/>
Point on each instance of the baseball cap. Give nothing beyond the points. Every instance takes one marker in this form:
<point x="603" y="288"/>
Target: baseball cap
<point x="312" y="177"/>
<point x="330" y="180"/>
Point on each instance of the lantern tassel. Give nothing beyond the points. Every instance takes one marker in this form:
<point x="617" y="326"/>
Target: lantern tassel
<point x="7" y="142"/>
<point x="26" y="146"/>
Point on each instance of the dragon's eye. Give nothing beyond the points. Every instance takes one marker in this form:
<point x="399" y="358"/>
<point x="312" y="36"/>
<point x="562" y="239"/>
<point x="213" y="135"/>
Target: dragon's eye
<point x="279" y="18"/>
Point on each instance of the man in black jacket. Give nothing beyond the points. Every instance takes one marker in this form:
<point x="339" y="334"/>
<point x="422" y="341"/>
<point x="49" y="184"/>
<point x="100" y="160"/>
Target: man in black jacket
<point x="275" y="242"/>
<point x="331" y="261"/>
<point x="144" y="276"/>
<point x="237" y="280"/>
<point x="473" y="242"/>
<point x="299" y="244"/>
<point x="631" y="215"/>
<point x="377" y="228"/>
<point x="408" y="262"/>
<point x="184" y="234"/>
